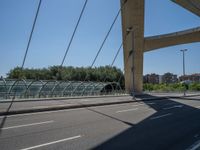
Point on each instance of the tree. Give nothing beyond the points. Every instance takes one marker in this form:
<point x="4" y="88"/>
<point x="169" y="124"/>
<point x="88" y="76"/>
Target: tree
<point x="97" y="74"/>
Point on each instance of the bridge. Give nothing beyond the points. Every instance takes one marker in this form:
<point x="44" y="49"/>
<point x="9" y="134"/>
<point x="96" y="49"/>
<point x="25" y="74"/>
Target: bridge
<point x="135" y="44"/>
<point x="54" y="117"/>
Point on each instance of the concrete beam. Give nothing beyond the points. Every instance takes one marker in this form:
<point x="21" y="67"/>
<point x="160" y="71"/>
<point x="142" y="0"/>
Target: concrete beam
<point x="191" y="5"/>
<point x="176" y="38"/>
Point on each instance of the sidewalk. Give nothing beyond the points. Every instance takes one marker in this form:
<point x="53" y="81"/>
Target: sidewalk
<point x="9" y="107"/>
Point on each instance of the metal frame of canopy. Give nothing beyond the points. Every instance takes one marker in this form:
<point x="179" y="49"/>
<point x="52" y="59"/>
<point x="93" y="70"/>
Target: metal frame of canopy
<point x="22" y="88"/>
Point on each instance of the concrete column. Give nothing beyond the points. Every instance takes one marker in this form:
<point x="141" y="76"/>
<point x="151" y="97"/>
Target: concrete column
<point x="133" y="43"/>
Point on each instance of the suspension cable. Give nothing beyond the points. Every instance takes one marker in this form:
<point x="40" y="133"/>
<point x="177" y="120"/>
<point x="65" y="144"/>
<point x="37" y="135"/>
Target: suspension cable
<point x="115" y="19"/>
<point x="29" y="41"/>
<point x="31" y="34"/>
<point x="116" y="55"/>
<point x="105" y="38"/>
<point x="74" y="32"/>
<point x="108" y="33"/>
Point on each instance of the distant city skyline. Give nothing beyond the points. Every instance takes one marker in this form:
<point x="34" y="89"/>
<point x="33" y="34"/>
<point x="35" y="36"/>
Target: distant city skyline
<point x="154" y="73"/>
<point x="55" y="25"/>
<point x="170" y="78"/>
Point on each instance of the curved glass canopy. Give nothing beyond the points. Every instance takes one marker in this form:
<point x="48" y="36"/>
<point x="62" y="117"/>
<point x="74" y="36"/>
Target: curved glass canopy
<point x="20" y="88"/>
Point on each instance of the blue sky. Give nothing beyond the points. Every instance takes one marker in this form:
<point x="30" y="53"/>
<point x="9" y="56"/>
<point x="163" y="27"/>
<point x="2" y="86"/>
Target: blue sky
<point x="56" y="22"/>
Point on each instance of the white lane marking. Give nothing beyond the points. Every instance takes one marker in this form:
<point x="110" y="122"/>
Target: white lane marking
<point x="138" y="105"/>
<point x="195" y="146"/>
<point x="176" y="106"/>
<point x="120" y="111"/>
<point x="143" y="104"/>
<point x="26" y="125"/>
<point x="38" y="113"/>
<point x="54" y="142"/>
<point x="161" y="116"/>
<point x="151" y="103"/>
<point x="172" y="103"/>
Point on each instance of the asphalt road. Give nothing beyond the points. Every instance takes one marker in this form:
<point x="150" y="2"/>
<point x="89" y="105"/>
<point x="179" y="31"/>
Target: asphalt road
<point x="170" y="124"/>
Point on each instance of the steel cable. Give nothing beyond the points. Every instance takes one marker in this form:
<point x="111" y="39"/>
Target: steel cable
<point x="31" y="34"/>
<point x="106" y="37"/>
<point x="74" y="32"/>
<point x="108" y="33"/>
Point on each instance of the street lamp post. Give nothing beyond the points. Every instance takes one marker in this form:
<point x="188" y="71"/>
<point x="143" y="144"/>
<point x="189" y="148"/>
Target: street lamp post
<point x="183" y="51"/>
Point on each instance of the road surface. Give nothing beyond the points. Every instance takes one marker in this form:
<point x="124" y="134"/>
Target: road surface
<point x="168" y="124"/>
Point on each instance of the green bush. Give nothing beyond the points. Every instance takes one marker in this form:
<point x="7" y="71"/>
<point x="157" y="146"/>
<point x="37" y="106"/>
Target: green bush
<point x="176" y="87"/>
<point x="194" y="87"/>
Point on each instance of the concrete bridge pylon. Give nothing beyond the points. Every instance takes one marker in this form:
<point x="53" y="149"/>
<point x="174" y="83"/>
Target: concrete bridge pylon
<point x="135" y="44"/>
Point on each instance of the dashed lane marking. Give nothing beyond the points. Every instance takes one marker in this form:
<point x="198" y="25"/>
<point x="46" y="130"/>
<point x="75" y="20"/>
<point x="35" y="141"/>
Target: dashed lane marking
<point x="161" y="116"/>
<point x="26" y="125"/>
<point x="175" y="106"/>
<point x="54" y="142"/>
<point x="120" y="111"/>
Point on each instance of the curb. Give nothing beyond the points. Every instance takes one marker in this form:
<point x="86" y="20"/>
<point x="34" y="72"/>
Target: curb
<point x="59" y="108"/>
<point x="59" y="98"/>
<point x="14" y="112"/>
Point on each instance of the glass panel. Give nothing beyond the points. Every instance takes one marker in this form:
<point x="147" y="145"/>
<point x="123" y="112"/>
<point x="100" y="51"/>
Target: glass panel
<point x="46" y="90"/>
<point x="59" y="88"/>
<point x="33" y="89"/>
<point x="3" y="89"/>
<point x="79" y="89"/>
<point x="17" y="89"/>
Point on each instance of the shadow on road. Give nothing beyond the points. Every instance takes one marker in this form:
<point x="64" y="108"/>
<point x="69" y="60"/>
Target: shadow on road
<point x="5" y="116"/>
<point x="174" y="126"/>
<point x="111" y="117"/>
